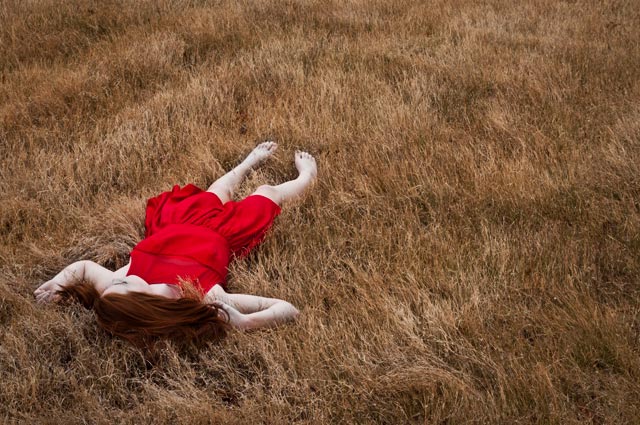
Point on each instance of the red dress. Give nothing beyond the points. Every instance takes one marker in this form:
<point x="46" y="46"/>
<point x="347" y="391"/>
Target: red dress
<point x="191" y="234"/>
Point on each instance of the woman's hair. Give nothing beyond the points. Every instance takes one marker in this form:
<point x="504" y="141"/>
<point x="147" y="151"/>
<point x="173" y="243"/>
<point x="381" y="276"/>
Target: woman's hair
<point x="141" y="318"/>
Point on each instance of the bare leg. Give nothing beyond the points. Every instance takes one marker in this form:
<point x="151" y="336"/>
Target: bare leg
<point x="308" y="170"/>
<point x="225" y="185"/>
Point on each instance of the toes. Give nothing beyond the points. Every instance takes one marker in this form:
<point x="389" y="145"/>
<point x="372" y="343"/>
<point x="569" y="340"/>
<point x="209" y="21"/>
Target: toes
<point x="268" y="146"/>
<point x="304" y="155"/>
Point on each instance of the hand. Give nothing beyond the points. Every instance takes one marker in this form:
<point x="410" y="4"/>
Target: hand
<point x="236" y="319"/>
<point x="48" y="292"/>
<point x="217" y="293"/>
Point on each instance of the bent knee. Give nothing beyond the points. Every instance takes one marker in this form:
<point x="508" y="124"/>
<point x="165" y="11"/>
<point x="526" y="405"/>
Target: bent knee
<point x="269" y="192"/>
<point x="222" y="192"/>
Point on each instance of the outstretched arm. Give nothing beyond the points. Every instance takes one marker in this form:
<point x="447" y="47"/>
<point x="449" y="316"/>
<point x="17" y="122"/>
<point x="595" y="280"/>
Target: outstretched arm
<point x="80" y="271"/>
<point x="250" y="311"/>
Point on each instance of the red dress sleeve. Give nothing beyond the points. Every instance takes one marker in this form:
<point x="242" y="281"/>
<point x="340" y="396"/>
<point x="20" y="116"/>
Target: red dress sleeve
<point x="159" y="209"/>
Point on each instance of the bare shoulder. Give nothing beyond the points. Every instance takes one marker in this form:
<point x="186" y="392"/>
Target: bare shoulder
<point x="165" y="290"/>
<point x="122" y="271"/>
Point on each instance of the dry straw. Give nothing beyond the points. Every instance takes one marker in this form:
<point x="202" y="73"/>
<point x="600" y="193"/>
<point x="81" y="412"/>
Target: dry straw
<point x="469" y="254"/>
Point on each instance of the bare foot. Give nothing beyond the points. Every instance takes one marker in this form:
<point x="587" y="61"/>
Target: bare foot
<point x="306" y="164"/>
<point x="260" y="153"/>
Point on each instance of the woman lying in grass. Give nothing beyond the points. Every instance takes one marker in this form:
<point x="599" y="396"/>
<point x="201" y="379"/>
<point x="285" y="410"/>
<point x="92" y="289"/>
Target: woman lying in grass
<point x="191" y="235"/>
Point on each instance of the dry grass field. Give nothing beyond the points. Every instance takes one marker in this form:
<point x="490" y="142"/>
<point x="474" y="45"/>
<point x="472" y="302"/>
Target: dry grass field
<point x="469" y="254"/>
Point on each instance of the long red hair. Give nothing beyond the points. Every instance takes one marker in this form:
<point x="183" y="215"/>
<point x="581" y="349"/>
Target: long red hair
<point x="141" y="318"/>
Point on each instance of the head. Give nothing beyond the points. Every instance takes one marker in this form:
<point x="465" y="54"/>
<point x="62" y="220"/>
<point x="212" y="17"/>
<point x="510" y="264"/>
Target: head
<point x="140" y="317"/>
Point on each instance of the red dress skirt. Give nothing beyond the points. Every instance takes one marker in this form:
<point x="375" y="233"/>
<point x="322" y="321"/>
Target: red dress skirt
<point x="191" y="234"/>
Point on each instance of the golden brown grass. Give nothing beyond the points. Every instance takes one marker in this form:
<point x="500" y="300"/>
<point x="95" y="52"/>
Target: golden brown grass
<point x="470" y="253"/>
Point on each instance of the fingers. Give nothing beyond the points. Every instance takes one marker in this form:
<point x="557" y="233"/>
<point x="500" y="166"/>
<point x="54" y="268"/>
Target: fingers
<point x="41" y="295"/>
<point x="223" y="310"/>
<point x="229" y="313"/>
<point x="219" y="305"/>
<point x="40" y="291"/>
<point x="47" y="286"/>
<point x="44" y="297"/>
<point x="222" y="306"/>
